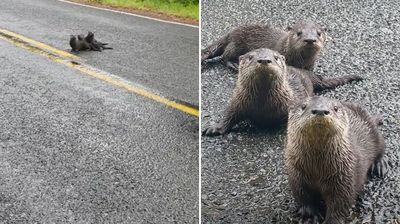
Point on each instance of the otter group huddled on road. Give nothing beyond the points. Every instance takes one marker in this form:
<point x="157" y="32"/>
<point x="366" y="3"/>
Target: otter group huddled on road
<point x="331" y="146"/>
<point x="82" y="43"/>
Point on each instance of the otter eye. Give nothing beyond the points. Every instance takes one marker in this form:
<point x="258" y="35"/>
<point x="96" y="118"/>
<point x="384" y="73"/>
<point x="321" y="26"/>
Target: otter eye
<point x="336" y="108"/>
<point x="250" y="57"/>
<point x="299" y="33"/>
<point x="303" y="106"/>
<point x="276" y="57"/>
<point x="319" y="33"/>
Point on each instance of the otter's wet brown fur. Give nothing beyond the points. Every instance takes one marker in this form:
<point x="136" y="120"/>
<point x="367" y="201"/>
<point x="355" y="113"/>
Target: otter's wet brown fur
<point x="300" y="45"/>
<point x="78" y="43"/>
<point x="330" y="148"/>
<point x="265" y="89"/>
<point x="82" y="43"/>
<point x="95" y="44"/>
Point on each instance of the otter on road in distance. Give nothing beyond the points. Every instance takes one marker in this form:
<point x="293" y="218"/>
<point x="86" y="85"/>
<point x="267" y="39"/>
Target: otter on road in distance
<point x="78" y="43"/>
<point x="265" y="89"/>
<point x="330" y="148"/>
<point x="94" y="44"/>
<point x="301" y="44"/>
<point x="82" y="43"/>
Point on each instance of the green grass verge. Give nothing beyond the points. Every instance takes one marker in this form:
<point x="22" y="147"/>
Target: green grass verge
<point x="180" y="8"/>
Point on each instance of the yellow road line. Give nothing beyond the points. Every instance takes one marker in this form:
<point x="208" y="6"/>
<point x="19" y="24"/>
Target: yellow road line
<point x="131" y="88"/>
<point x="59" y="56"/>
<point x="38" y="44"/>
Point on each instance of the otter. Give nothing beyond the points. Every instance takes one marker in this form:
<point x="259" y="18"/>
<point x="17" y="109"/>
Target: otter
<point x="81" y="43"/>
<point x="331" y="146"/>
<point x="301" y="44"/>
<point x="265" y="89"/>
<point x="94" y="44"/>
<point x="78" y="43"/>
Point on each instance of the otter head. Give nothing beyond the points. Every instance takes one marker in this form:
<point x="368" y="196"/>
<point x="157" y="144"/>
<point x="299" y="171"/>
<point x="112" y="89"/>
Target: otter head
<point x="306" y="37"/>
<point x="262" y="64"/>
<point x="318" y="119"/>
<point x="72" y="37"/>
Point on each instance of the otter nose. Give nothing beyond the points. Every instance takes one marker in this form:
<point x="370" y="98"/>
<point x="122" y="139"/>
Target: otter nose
<point x="310" y="41"/>
<point x="320" y="112"/>
<point x="264" y="61"/>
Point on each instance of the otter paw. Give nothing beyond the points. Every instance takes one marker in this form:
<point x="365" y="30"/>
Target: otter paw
<point x="313" y="220"/>
<point x="357" y="78"/>
<point x="334" y="221"/>
<point x="307" y="215"/>
<point x="234" y="66"/>
<point x="378" y="120"/>
<point x="379" y="168"/>
<point x="212" y="131"/>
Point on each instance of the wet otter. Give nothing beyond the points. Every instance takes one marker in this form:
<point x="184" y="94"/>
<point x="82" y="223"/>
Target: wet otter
<point x="81" y="43"/>
<point x="266" y="87"/>
<point x="330" y="148"/>
<point x="301" y="44"/>
<point x="78" y="43"/>
<point x="94" y="44"/>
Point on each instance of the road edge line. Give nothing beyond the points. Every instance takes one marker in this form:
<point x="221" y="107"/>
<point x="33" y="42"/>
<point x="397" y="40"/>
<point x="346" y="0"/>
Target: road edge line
<point x="129" y="13"/>
<point x="119" y="82"/>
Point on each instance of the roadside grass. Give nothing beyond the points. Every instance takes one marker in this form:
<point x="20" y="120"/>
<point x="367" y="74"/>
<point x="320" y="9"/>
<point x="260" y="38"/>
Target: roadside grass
<point x="180" y="8"/>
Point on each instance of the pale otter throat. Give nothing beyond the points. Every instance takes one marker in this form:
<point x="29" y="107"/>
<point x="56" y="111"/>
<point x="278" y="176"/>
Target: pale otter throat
<point x="265" y="89"/>
<point x="300" y="44"/>
<point x="330" y="148"/>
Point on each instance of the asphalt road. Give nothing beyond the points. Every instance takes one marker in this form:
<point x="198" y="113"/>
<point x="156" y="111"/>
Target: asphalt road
<point x="243" y="178"/>
<point x="160" y="56"/>
<point x="74" y="149"/>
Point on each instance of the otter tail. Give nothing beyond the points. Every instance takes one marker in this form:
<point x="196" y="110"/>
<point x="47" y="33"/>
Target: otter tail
<point x="321" y="83"/>
<point x="214" y="50"/>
